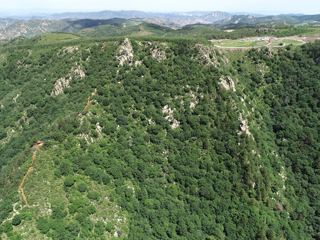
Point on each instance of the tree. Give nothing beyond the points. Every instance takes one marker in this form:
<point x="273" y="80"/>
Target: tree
<point x="43" y="225"/>
<point x="82" y="187"/>
<point x="7" y="227"/>
<point x="69" y="181"/>
<point x="16" y="220"/>
<point x="110" y="227"/>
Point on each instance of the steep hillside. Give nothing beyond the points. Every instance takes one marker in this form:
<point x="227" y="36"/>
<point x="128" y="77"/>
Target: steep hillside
<point x="177" y="140"/>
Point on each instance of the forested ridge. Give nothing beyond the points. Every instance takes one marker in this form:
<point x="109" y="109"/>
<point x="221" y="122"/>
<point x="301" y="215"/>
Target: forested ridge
<point x="181" y="141"/>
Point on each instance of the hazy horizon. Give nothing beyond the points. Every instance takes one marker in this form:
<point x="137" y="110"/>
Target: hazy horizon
<point x="165" y="6"/>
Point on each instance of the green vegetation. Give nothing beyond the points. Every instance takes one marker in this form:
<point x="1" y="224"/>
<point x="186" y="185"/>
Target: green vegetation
<point x="257" y="43"/>
<point x="196" y="31"/>
<point x="180" y="141"/>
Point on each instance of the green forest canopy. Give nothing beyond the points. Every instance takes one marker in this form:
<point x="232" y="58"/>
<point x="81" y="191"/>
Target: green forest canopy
<point x="163" y="138"/>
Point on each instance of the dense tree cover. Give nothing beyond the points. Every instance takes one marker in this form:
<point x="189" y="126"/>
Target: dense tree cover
<point x="294" y="115"/>
<point x="193" y="175"/>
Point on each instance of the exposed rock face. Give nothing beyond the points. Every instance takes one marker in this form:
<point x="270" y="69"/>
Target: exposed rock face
<point x="170" y="118"/>
<point x="137" y="63"/>
<point x="60" y="84"/>
<point x="318" y="60"/>
<point x="79" y="74"/>
<point x="65" y="50"/>
<point x="160" y="56"/>
<point x="205" y="52"/>
<point x="227" y="83"/>
<point x="244" y="126"/>
<point x="126" y="52"/>
<point x="194" y="100"/>
<point x="64" y="82"/>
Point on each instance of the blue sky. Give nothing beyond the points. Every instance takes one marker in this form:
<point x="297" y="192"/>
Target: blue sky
<point x="256" y="6"/>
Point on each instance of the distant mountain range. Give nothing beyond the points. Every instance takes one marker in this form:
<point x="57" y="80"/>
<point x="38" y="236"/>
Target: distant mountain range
<point x="287" y="19"/>
<point x="75" y="21"/>
<point x="107" y="14"/>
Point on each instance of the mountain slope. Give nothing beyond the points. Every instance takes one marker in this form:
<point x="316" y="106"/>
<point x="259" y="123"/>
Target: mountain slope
<point x="179" y="140"/>
<point x="31" y="28"/>
<point x="5" y="22"/>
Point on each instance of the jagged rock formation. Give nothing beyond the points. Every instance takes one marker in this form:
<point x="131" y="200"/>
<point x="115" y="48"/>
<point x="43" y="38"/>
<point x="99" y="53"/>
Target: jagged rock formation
<point x="79" y="74"/>
<point x="64" y="82"/>
<point x="160" y="56"/>
<point x="227" y="83"/>
<point x="60" y="84"/>
<point x="206" y="52"/>
<point x="126" y="52"/>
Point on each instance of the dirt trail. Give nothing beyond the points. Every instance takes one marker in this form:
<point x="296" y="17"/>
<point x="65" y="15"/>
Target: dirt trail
<point x="103" y="47"/>
<point x="38" y="144"/>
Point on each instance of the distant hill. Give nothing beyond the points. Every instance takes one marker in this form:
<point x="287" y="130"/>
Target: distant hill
<point x="36" y="27"/>
<point x="31" y="28"/>
<point x="287" y="19"/>
<point x="76" y="25"/>
<point x="176" y="19"/>
<point x="107" y="14"/>
<point x="216" y="16"/>
<point x="5" y="22"/>
<point x="74" y="22"/>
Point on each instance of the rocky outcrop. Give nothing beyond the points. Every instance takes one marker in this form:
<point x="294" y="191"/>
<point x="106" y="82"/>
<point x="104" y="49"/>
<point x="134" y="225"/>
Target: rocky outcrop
<point x="244" y="126"/>
<point x="159" y="55"/>
<point x="205" y="53"/>
<point x="167" y="110"/>
<point x="126" y="53"/>
<point x="60" y="84"/>
<point x="65" y="50"/>
<point x="79" y="74"/>
<point x="64" y="82"/>
<point x="227" y="83"/>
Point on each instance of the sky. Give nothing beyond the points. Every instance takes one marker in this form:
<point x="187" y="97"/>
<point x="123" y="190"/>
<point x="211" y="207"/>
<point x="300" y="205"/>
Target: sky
<point x="252" y="6"/>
